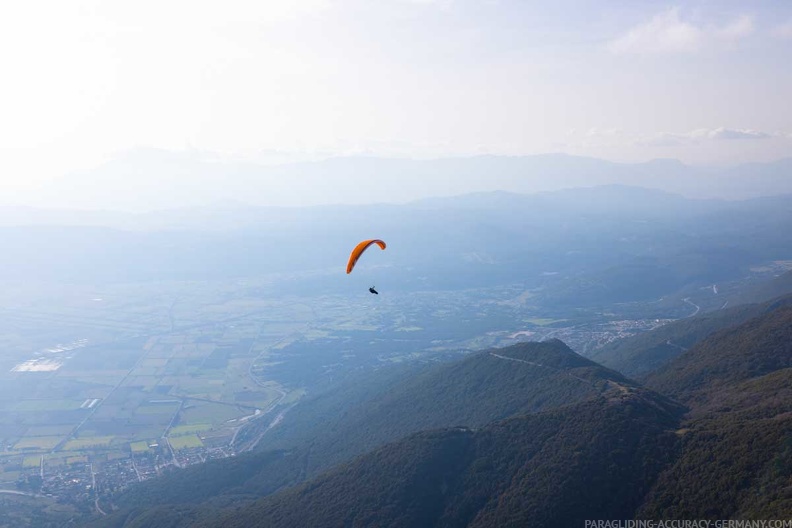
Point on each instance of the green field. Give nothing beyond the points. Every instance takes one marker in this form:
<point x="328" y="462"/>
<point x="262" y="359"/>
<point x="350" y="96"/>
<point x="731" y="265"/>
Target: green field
<point x="47" y="405"/>
<point x="293" y="396"/>
<point x="180" y="430"/>
<point x="539" y="321"/>
<point x="158" y="408"/>
<point x="77" y="444"/>
<point x="49" y="430"/>
<point x="143" y="372"/>
<point x="31" y="461"/>
<point x="213" y="413"/>
<point x="218" y="331"/>
<point x="7" y="478"/>
<point x="154" y="362"/>
<point x="180" y="442"/>
<point x="38" y="442"/>
<point x="51" y="460"/>
<point x="139" y="447"/>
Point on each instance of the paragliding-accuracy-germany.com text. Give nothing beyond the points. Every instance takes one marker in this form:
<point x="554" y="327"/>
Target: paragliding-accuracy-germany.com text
<point x="677" y="523"/>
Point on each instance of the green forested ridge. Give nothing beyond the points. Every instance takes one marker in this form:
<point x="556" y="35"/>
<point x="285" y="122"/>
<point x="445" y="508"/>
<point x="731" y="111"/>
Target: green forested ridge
<point x="473" y="391"/>
<point x="641" y="354"/>
<point x="728" y="357"/>
<point x="619" y="451"/>
<point x="594" y="459"/>
<point x="335" y="427"/>
<point x="732" y="465"/>
<point x="736" y="457"/>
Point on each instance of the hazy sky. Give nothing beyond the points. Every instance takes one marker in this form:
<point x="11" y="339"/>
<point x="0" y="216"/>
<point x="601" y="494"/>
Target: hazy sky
<point x="703" y="81"/>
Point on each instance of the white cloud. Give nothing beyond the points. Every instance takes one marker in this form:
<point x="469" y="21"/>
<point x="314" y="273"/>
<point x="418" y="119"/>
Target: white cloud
<point x="667" y="32"/>
<point x="784" y="31"/>
<point x="740" y="28"/>
<point x="604" y="132"/>
<point x="443" y="3"/>
<point x="702" y="135"/>
<point x="663" y="140"/>
<point x="731" y="133"/>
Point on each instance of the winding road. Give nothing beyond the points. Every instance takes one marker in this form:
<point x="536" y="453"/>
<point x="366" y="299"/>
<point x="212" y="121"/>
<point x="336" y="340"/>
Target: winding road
<point x="694" y="305"/>
<point x="562" y="371"/>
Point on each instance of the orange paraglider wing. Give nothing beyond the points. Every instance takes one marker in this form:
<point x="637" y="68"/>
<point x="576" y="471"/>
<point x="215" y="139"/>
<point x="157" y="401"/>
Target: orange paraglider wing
<point x="359" y="249"/>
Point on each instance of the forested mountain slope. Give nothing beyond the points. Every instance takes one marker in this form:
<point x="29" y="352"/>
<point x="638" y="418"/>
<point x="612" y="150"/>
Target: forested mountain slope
<point x="639" y="355"/>
<point x="594" y="459"/>
<point x="333" y="428"/>
<point x="736" y="459"/>
<point x="617" y="451"/>
<point x="757" y="347"/>
<point x="483" y="387"/>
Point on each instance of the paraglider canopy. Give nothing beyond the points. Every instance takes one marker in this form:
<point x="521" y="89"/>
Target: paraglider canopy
<point x="358" y="251"/>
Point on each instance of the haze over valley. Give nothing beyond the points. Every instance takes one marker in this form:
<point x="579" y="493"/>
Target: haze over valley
<point x="436" y="263"/>
<point x="130" y="352"/>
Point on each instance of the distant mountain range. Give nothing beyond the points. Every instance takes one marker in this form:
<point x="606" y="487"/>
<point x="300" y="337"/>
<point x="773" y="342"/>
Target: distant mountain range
<point x="147" y="179"/>
<point x="581" y="247"/>
<point x="708" y="439"/>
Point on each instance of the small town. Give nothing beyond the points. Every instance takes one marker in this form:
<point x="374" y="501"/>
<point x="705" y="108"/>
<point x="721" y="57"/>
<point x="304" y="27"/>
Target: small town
<point x="90" y="484"/>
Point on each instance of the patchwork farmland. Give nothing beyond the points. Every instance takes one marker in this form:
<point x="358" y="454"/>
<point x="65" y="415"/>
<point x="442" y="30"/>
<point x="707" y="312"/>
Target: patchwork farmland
<point x="101" y="389"/>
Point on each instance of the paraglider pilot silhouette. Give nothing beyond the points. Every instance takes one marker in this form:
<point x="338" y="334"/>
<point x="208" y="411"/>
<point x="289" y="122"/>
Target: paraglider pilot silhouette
<point x="358" y="251"/>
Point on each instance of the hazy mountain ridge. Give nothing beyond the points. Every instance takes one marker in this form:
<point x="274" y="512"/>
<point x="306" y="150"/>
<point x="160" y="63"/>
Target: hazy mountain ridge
<point x="576" y="250"/>
<point x="609" y="199"/>
<point x="348" y="180"/>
